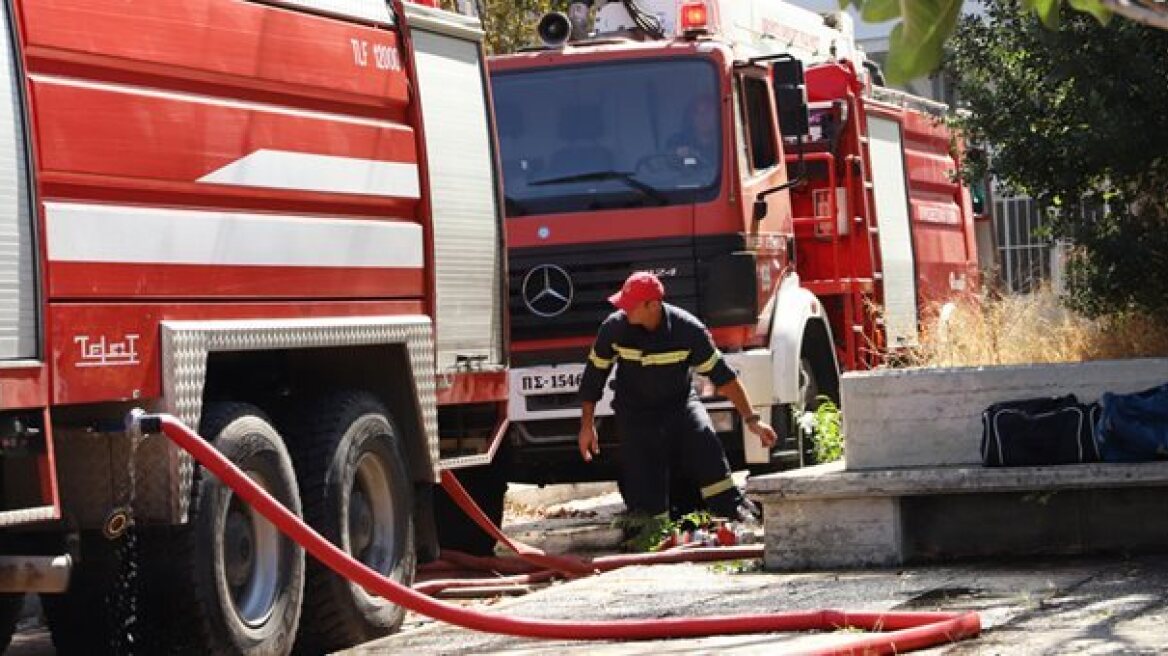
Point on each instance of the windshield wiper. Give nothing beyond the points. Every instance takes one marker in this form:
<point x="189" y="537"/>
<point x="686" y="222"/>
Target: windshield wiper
<point x="627" y="177"/>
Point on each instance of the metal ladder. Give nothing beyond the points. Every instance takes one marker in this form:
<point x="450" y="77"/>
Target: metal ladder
<point x="868" y="322"/>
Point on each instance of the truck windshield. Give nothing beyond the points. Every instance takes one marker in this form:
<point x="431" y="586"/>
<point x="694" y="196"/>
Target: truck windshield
<point x="614" y="135"/>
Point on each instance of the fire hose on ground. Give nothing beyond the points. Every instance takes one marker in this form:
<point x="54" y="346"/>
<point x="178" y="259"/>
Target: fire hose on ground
<point x="904" y="630"/>
<point x="535" y="566"/>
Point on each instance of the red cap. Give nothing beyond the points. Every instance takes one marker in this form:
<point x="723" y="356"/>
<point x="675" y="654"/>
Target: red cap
<point x="640" y="286"/>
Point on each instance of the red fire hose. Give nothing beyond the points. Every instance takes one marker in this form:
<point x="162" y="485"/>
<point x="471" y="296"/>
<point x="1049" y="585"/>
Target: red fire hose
<point x="518" y="571"/>
<point x="907" y="630"/>
<point x="527" y="567"/>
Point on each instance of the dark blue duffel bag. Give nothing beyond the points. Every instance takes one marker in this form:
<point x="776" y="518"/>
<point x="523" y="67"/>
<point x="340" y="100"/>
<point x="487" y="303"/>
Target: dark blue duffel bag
<point x="1039" y="431"/>
<point x="1134" y="427"/>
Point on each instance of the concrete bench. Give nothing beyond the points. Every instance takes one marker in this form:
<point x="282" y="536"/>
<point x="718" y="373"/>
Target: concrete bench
<point x="913" y="489"/>
<point x="824" y="516"/>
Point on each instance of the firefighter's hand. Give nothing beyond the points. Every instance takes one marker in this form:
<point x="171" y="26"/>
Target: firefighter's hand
<point x="765" y="433"/>
<point x="589" y="443"/>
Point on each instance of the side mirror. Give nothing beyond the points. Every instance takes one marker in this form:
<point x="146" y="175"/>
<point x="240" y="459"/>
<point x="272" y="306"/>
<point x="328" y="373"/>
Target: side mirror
<point x="760" y="209"/>
<point x="787" y="71"/>
<point x="790" y="96"/>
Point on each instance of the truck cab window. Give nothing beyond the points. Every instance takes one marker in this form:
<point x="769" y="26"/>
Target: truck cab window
<point x="759" y="116"/>
<point x="741" y="140"/>
<point x="603" y="136"/>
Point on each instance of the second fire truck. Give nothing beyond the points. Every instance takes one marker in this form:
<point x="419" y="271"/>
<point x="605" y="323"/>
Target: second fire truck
<point x="746" y="153"/>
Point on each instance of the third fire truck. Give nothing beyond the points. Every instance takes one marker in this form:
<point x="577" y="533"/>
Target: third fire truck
<point x="746" y="153"/>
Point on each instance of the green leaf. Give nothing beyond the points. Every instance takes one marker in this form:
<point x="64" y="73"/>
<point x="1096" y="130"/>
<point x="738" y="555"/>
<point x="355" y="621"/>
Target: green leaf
<point x="917" y="43"/>
<point x="1094" y="7"/>
<point x="1048" y="12"/>
<point x="878" y="11"/>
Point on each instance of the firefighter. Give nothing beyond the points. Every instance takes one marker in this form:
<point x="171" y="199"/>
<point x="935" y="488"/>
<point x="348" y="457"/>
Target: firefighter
<point x="658" y="414"/>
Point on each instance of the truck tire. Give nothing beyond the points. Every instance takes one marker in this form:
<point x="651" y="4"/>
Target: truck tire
<point x="82" y="618"/>
<point x="357" y="493"/>
<point x="235" y="583"/>
<point x="10" y="606"/>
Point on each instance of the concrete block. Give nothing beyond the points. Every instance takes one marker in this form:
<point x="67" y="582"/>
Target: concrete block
<point x="832" y="481"/>
<point x="539" y="496"/>
<point x="831" y="533"/>
<point x="826" y="516"/>
<point x="932" y="417"/>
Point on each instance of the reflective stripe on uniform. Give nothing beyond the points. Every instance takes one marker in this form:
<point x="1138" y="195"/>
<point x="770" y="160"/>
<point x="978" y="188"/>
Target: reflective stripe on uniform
<point x="708" y="366"/>
<point x="714" y="489"/>
<point x="650" y="359"/>
<point x="633" y="355"/>
<point x="668" y="357"/>
<point x="599" y="362"/>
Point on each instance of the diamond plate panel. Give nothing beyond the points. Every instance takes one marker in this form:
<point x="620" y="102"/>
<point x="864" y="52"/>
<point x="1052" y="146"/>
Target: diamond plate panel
<point x="186" y="345"/>
<point x="463" y="462"/>
<point x="27" y="515"/>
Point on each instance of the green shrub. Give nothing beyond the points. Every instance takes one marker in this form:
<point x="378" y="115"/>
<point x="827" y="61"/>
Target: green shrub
<point x="823" y="426"/>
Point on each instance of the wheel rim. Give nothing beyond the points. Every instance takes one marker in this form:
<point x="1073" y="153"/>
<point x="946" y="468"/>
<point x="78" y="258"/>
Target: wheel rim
<point x="371" y="517"/>
<point x="251" y="559"/>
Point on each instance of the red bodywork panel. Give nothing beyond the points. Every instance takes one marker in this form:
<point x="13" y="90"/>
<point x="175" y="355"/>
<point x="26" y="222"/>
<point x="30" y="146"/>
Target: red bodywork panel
<point x="212" y="160"/>
<point x="147" y="106"/>
<point x="204" y="119"/>
<point x="837" y="262"/>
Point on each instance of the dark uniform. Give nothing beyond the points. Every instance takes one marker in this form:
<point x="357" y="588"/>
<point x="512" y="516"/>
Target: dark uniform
<point x="657" y="410"/>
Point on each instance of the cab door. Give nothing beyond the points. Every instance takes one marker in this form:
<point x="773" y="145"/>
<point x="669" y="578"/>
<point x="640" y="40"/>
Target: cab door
<point x="761" y="168"/>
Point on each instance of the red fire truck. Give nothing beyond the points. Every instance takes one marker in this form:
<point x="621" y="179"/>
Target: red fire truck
<point x="280" y="221"/>
<point x="746" y="153"/>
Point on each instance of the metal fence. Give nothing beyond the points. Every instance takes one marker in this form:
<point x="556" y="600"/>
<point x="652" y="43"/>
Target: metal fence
<point x="1023" y="252"/>
<point x="1027" y="256"/>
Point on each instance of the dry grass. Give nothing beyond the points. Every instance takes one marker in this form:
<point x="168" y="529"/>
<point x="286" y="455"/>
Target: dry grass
<point x="1033" y="328"/>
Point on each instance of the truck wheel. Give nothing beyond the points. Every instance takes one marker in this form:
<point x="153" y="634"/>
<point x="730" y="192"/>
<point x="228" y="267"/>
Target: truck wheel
<point x="357" y="494"/>
<point x="82" y="618"/>
<point x="237" y="581"/>
<point x="10" y="606"/>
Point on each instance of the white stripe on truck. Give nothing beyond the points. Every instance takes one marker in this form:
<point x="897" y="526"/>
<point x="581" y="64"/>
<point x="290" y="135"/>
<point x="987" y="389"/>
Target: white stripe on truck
<point x="147" y="235"/>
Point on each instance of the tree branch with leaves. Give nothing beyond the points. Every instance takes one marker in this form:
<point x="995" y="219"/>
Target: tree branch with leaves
<point x="917" y="42"/>
<point x="1074" y="118"/>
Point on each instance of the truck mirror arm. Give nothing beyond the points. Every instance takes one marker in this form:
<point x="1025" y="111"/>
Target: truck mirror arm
<point x="760" y="206"/>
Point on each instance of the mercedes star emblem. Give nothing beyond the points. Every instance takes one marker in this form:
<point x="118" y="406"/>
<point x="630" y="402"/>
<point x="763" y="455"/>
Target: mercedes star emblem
<point x="547" y="290"/>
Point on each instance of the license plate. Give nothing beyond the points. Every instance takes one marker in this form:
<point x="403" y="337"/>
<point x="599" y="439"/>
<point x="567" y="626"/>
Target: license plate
<point x="549" y="382"/>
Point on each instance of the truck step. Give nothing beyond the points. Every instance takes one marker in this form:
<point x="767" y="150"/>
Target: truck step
<point x="27" y="515"/>
<point x="35" y="573"/>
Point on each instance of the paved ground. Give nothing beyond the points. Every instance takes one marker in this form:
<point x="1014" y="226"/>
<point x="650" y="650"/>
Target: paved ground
<point x="1064" y="606"/>
<point x="1115" y="605"/>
